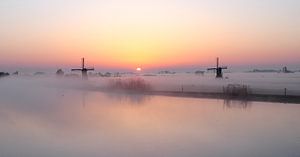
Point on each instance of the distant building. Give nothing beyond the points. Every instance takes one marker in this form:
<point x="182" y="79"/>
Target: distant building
<point x="39" y="73"/>
<point x="3" y="74"/>
<point x="60" y="73"/>
<point x="16" y="73"/>
<point x="263" y="71"/>
<point x="107" y="74"/>
<point x="199" y="72"/>
<point x="166" y="72"/>
<point x="285" y="70"/>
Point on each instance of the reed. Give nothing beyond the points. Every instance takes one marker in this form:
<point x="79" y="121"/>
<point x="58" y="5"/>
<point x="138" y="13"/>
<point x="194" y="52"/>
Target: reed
<point x="131" y="84"/>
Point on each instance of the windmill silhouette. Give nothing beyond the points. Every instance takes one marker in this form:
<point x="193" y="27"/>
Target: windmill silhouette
<point x="218" y="69"/>
<point x="83" y="70"/>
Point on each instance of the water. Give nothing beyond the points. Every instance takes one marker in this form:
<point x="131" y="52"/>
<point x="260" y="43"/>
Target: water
<point x="51" y="122"/>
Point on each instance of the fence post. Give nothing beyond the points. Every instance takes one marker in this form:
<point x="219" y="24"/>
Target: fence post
<point x="285" y="92"/>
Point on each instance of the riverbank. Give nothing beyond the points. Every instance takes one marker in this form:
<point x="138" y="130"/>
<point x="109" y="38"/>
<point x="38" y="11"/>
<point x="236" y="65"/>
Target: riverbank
<point x="250" y="97"/>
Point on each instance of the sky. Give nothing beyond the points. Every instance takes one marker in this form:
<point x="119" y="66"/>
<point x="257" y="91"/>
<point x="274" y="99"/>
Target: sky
<point x="151" y="34"/>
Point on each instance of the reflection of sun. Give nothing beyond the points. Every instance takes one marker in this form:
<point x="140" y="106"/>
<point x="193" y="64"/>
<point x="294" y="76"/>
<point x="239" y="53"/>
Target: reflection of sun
<point x="138" y="69"/>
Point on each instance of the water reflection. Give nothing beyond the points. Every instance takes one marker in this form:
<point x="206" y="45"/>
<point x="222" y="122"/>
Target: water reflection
<point x="238" y="104"/>
<point x="44" y="123"/>
<point x="133" y="98"/>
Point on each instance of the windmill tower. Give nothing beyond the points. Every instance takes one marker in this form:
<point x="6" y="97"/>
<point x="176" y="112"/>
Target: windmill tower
<point x="83" y="70"/>
<point x="218" y="69"/>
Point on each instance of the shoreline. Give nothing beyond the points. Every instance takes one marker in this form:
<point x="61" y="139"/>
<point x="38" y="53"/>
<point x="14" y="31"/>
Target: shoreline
<point x="251" y="97"/>
<point x="290" y="99"/>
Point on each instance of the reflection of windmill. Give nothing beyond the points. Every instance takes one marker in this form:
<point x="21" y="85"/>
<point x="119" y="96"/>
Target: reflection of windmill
<point x="84" y="70"/>
<point x="219" y="73"/>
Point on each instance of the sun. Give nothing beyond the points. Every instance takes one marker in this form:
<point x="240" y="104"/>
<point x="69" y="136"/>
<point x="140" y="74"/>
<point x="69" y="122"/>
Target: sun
<point x="138" y="69"/>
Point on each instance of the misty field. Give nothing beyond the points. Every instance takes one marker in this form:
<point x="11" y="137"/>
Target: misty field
<point x="74" y="118"/>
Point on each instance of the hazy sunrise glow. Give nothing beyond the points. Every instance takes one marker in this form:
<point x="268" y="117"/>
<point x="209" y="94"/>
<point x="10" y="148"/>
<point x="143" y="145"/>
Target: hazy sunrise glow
<point x="151" y="34"/>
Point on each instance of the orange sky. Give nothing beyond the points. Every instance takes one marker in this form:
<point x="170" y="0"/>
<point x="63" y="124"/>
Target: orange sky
<point x="149" y="34"/>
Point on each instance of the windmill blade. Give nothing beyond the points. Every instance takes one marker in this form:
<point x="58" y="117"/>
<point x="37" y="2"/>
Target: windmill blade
<point x="90" y="69"/>
<point x="224" y="67"/>
<point x="76" y="69"/>
<point x="211" y="68"/>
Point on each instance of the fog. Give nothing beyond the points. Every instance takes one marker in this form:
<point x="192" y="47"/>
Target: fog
<point x="50" y="116"/>
<point x="49" y="89"/>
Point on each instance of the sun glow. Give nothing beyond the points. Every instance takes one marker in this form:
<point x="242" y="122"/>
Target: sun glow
<point x="138" y="69"/>
<point x="154" y="34"/>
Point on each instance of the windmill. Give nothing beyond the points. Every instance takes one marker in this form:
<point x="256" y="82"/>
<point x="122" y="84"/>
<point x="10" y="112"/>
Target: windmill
<point x="83" y="70"/>
<point x="218" y="69"/>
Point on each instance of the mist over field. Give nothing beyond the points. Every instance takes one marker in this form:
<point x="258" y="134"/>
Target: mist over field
<point x="149" y="78"/>
<point x="43" y="87"/>
<point x="50" y="116"/>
